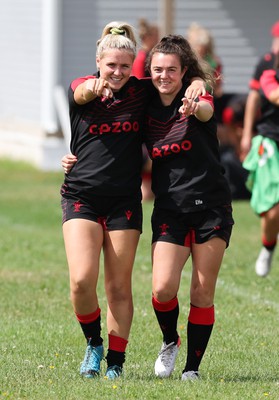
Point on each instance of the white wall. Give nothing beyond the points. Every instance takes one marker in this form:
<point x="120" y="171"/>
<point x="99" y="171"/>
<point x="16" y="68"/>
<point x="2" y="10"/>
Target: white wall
<point x="240" y="27"/>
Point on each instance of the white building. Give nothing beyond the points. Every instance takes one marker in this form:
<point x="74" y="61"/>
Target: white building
<point x="46" y="43"/>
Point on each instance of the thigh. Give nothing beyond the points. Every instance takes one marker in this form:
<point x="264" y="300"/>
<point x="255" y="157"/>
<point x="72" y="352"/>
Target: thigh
<point x="83" y="242"/>
<point x="168" y="260"/>
<point x="207" y="258"/>
<point x="119" y="255"/>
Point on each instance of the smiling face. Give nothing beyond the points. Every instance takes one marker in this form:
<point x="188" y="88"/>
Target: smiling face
<point x="115" y="66"/>
<point x="166" y="74"/>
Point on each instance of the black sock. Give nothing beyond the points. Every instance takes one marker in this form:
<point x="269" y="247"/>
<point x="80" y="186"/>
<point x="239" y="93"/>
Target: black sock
<point x="269" y="245"/>
<point x="92" y="332"/>
<point x="197" y="338"/>
<point x="115" y="358"/>
<point x="168" y="324"/>
<point x="270" y="248"/>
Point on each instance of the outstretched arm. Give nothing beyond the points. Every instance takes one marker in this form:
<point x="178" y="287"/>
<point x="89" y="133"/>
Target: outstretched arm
<point x="202" y="110"/>
<point x="90" y="89"/>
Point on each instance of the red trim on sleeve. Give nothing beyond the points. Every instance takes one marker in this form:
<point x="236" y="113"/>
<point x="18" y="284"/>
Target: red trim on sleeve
<point x="254" y="84"/>
<point x="208" y="98"/>
<point x="275" y="29"/>
<point x="268" y="81"/>
<point x="80" y="80"/>
<point x="201" y="316"/>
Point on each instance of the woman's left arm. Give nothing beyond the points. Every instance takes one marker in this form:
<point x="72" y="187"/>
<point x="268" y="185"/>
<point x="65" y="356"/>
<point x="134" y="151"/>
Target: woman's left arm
<point x="204" y="111"/>
<point x="201" y="109"/>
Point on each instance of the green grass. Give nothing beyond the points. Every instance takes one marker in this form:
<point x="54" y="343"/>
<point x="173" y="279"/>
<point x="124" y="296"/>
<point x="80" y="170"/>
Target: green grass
<point x="41" y="343"/>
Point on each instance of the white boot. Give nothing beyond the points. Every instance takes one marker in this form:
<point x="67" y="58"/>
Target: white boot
<point x="263" y="263"/>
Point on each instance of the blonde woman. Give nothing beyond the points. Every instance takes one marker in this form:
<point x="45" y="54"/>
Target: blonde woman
<point x="101" y="194"/>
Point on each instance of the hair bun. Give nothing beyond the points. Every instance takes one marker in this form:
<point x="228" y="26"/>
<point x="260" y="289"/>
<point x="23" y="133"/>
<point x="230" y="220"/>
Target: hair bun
<point x="117" y="31"/>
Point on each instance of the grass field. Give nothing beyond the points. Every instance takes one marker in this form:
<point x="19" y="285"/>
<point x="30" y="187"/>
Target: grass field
<point x="42" y="345"/>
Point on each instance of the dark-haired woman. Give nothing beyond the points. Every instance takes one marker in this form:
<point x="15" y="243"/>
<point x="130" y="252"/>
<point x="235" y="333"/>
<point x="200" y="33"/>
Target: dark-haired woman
<point x="192" y="213"/>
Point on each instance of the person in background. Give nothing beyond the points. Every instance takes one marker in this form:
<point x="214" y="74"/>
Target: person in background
<point x="229" y="135"/>
<point x="192" y="215"/>
<point x="101" y="193"/>
<point x="202" y="42"/>
<point x="149" y="36"/>
<point x="262" y="163"/>
<point x="250" y="128"/>
<point x="252" y="106"/>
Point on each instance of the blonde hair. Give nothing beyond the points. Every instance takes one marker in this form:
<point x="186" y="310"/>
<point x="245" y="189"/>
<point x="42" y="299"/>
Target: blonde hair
<point x="202" y="43"/>
<point x="197" y="35"/>
<point x="117" y="35"/>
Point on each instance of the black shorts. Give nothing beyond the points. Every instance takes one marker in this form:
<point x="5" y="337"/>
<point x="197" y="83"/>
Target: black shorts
<point x="113" y="213"/>
<point x="195" y="227"/>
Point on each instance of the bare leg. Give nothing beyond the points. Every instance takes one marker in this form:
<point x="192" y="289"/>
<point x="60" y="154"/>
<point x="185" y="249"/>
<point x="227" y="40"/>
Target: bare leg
<point x="83" y="243"/>
<point x="119" y="251"/>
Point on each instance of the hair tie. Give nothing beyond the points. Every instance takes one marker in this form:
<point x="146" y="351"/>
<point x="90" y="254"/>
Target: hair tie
<point x="117" y="31"/>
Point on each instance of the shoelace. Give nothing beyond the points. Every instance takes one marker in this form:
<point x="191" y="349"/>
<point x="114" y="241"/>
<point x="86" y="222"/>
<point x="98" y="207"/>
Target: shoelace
<point x="93" y="353"/>
<point x="167" y="352"/>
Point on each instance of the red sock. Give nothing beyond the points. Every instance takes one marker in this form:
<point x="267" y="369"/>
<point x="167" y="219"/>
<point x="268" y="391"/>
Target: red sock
<point x="269" y="244"/>
<point x="164" y="306"/>
<point x="201" y="316"/>
<point x="86" y="319"/>
<point x="117" y="343"/>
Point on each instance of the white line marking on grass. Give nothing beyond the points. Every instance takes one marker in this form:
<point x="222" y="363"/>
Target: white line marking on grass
<point x="253" y="298"/>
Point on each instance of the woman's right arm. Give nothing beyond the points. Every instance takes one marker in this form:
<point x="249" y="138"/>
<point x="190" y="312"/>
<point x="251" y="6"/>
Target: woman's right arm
<point x="90" y="89"/>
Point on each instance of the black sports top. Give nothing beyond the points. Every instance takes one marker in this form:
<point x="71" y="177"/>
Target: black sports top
<point x="268" y="124"/>
<point x="107" y="140"/>
<point x="266" y="62"/>
<point x="187" y="175"/>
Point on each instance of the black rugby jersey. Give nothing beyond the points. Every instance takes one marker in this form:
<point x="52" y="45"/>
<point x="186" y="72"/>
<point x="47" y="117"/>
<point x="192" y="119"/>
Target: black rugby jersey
<point x="268" y="124"/>
<point x="187" y="174"/>
<point x="266" y="62"/>
<point x="107" y="140"/>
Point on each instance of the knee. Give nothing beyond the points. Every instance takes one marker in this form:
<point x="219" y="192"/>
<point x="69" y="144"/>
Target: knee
<point x="201" y="296"/>
<point x="119" y="293"/>
<point x="79" y="287"/>
<point x="163" y="293"/>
